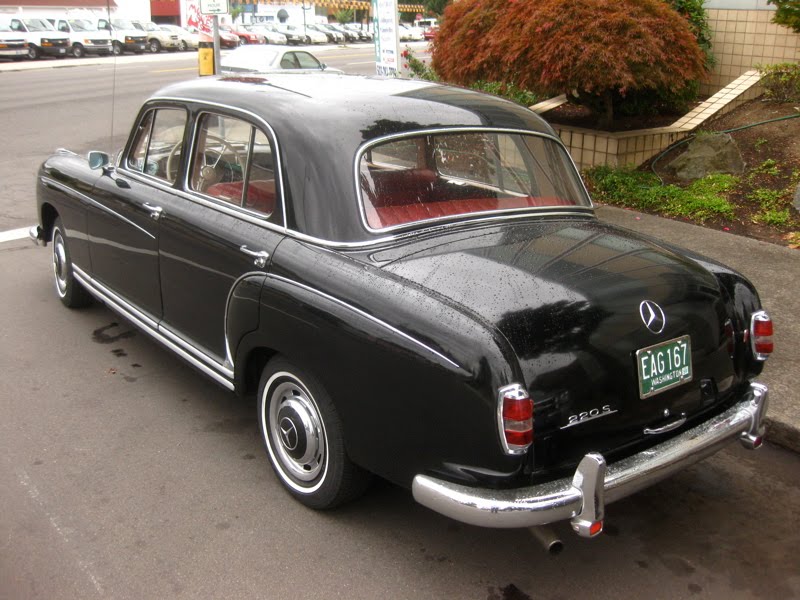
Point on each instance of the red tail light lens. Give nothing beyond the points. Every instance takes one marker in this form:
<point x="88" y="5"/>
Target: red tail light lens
<point x="761" y="335"/>
<point x="515" y="419"/>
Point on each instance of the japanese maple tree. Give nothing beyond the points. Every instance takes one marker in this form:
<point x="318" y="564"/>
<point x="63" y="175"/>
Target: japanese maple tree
<point x="591" y="48"/>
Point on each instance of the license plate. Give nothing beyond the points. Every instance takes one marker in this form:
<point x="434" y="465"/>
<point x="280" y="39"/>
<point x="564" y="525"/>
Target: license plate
<point x="664" y="365"/>
<point x="62" y="51"/>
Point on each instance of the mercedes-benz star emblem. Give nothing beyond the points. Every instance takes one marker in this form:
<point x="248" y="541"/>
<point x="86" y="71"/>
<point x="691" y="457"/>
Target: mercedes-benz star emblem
<point x="288" y="433"/>
<point x="652" y="316"/>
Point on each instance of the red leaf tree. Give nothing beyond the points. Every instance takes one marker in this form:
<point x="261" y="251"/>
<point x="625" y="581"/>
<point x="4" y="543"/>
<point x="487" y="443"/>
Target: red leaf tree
<point x="595" y="48"/>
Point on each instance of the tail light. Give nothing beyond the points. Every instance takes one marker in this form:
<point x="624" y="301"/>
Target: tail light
<point x="515" y="418"/>
<point x="761" y="335"/>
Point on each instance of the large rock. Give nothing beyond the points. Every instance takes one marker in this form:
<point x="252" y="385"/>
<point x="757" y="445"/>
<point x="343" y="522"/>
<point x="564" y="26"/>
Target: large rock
<point x="707" y="154"/>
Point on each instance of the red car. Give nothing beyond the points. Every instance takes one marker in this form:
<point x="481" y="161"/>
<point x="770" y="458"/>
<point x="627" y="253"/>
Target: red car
<point x="243" y="36"/>
<point x="430" y="33"/>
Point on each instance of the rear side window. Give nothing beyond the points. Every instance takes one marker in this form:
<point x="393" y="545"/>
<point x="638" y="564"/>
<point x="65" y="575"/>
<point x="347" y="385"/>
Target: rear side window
<point x="233" y="162"/>
<point x="449" y="175"/>
<point x="158" y="143"/>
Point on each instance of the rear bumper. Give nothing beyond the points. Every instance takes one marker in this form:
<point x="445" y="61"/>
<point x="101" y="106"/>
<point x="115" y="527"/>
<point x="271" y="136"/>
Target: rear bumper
<point x="583" y="497"/>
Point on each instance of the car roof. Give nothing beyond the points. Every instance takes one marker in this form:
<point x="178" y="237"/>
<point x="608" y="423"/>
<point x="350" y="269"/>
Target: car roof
<point x="321" y="120"/>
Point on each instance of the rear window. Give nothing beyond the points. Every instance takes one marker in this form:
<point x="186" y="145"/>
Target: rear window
<point x="446" y="175"/>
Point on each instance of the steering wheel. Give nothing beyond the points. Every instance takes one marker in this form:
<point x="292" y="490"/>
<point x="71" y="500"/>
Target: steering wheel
<point x="208" y="169"/>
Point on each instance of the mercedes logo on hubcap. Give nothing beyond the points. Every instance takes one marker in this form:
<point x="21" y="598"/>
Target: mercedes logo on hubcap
<point x="289" y="435"/>
<point x="652" y="316"/>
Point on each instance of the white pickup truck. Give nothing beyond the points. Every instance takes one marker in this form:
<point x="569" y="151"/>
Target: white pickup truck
<point x="124" y="36"/>
<point x="41" y="36"/>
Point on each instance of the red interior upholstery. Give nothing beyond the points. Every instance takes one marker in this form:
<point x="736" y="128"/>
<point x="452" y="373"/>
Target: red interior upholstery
<point x="386" y="216"/>
<point x="260" y="194"/>
<point x="400" y="187"/>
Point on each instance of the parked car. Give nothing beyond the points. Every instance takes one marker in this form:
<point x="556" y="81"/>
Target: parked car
<point x="292" y="34"/>
<point x="228" y="39"/>
<point x="270" y="34"/>
<point x="363" y="33"/>
<point x="412" y="281"/>
<point x="331" y="35"/>
<point x="245" y="36"/>
<point x="430" y="33"/>
<point x="84" y="37"/>
<point x="349" y="34"/>
<point x="157" y="38"/>
<point x="12" y="44"/>
<point x="41" y="37"/>
<point x="187" y="40"/>
<point x="264" y="59"/>
<point x="125" y="36"/>
<point x="411" y="34"/>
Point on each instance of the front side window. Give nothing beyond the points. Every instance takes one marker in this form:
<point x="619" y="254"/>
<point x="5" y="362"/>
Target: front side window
<point x="233" y="162"/>
<point x="157" y="145"/>
<point x="443" y="175"/>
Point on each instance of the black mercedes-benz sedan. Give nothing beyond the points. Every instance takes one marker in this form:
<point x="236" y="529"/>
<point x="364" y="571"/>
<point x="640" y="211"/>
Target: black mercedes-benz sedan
<point x="412" y="281"/>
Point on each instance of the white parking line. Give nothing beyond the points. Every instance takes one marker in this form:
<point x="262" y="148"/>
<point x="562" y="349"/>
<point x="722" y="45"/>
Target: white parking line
<point x="14" y="234"/>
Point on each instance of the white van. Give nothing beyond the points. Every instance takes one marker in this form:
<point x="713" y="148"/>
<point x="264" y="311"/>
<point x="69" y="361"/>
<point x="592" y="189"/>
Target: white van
<point x="41" y="36"/>
<point x="84" y="36"/>
<point x="125" y="37"/>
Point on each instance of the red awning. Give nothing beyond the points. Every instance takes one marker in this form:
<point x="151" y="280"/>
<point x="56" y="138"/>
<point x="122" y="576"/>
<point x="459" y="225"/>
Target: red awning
<point x="59" y="5"/>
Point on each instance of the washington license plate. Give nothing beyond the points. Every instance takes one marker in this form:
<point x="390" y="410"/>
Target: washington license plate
<point x="664" y="365"/>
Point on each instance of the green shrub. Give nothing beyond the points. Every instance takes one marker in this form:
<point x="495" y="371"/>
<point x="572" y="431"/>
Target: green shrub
<point x="788" y="13"/>
<point x="702" y="200"/>
<point x="781" y="82"/>
<point x="777" y="218"/>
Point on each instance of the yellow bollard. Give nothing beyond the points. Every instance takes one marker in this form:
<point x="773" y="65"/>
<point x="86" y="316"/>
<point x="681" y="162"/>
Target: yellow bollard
<point x="205" y="58"/>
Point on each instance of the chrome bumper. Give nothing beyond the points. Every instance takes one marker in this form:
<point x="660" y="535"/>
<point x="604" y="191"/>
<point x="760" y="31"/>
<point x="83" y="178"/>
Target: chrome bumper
<point x="583" y="497"/>
<point x="37" y="235"/>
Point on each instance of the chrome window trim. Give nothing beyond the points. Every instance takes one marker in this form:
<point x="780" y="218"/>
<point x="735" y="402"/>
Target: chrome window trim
<point x="148" y="177"/>
<point x="364" y="314"/>
<point x="88" y="199"/>
<point x="213" y="369"/>
<point x="462" y="218"/>
<point x="252" y="118"/>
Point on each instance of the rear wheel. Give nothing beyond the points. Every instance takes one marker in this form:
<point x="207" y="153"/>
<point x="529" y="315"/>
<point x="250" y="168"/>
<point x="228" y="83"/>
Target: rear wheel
<point x="116" y="49"/>
<point x="71" y="293"/>
<point x="303" y="436"/>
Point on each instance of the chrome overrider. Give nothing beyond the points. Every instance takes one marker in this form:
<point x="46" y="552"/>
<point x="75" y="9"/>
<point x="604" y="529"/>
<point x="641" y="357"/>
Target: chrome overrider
<point x="583" y="497"/>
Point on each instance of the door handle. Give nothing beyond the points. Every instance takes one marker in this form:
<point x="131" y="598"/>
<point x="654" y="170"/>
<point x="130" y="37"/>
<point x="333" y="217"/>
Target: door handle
<point x="155" y="211"/>
<point x="259" y="257"/>
<point x="668" y="427"/>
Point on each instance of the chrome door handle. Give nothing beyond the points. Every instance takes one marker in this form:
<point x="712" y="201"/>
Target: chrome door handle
<point x="668" y="427"/>
<point x="259" y="257"/>
<point x="155" y="211"/>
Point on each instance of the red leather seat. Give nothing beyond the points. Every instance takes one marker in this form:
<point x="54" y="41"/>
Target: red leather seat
<point x="260" y="194"/>
<point x="387" y="216"/>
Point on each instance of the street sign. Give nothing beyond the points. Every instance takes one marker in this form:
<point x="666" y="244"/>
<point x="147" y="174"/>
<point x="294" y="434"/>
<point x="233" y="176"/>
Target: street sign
<point x="387" y="39"/>
<point x="214" y="7"/>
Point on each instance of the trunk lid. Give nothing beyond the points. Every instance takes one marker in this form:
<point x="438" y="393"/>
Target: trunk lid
<point x="568" y="296"/>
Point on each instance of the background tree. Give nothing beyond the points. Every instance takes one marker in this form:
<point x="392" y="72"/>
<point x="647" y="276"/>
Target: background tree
<point x="593" y="48"/>
<point x="436" y="7"/>
<point x="788" y="13"/>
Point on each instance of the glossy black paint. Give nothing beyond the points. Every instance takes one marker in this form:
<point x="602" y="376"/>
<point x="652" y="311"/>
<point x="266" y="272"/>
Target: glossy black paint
<point x="411" y="336"/>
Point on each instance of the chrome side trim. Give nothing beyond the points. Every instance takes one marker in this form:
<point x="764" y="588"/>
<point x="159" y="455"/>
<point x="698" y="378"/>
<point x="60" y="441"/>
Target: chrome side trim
<point x="148" y="325"/>
<point x="194" y="350"/>
<point x="88" y="199"/>
<point x="564" y="498"/>
<point x="364" y="314"/>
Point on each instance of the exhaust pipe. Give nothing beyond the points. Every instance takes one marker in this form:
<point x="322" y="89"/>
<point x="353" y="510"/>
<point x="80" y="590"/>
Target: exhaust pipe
<point x="548" y="538"/>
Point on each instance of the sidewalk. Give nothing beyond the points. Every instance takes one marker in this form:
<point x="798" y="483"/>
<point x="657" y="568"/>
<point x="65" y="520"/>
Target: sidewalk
<point x="775" y="271"/>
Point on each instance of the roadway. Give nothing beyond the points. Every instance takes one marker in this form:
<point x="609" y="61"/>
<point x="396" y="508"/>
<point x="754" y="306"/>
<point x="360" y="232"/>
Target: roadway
<point x="125" y="474"/>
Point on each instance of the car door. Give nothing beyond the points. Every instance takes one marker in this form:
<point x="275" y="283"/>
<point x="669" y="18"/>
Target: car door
<point x="217" y="239"/>
<point x="123" y="223"/>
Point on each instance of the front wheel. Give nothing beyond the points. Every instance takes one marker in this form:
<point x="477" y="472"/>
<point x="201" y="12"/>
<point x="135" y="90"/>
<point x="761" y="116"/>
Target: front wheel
<point x="183" y="46"/>
<point x="71" y="293"/>
<point x="78" y="51"/>
<point x="34" y="52"/>
<point x="154" y="46"/>
<point x="303" y="437"/>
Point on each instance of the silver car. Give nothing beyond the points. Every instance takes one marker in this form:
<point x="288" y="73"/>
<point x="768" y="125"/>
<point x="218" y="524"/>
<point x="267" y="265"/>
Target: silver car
<point x="261" y="59"/>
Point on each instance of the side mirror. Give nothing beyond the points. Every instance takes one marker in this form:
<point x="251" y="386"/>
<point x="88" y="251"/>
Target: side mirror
<point x="322" y="66"/>
<point x="97" y="159"/>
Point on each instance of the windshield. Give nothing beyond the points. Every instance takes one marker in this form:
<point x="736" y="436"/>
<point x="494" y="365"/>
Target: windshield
<point x="82" y="25"/>
<point x="38" y="25"/>
<point x="444" y="175"/>
<point x="122" y="24"/>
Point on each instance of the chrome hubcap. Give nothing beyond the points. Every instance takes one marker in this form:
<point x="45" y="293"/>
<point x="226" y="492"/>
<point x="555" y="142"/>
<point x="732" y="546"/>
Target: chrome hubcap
<point x="60" y="264"/>
<point x="296" y="432"/>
